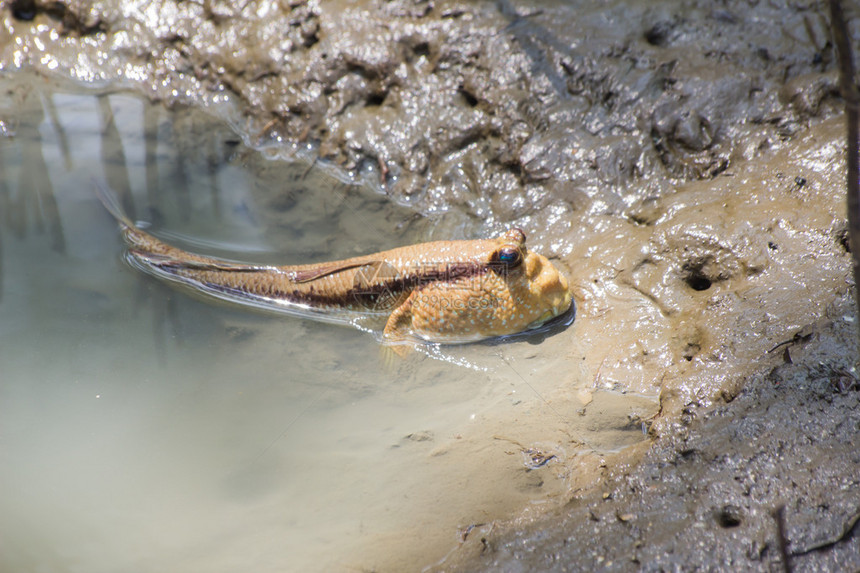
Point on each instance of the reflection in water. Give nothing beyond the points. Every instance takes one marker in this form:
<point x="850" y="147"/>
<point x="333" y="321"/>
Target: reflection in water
<point x="62" y="139"/>
<point x="231" y="441"/>
<point x="5" y="215"/>
<point x="35" y="197"/>
<point x="151" y="114"/>
<point x="113" y="156"/>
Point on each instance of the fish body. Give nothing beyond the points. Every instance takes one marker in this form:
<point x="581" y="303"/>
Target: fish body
<point x="442" y="291"/>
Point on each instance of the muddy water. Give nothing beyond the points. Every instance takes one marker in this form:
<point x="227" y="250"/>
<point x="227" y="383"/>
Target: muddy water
<point x="144" y="430"/>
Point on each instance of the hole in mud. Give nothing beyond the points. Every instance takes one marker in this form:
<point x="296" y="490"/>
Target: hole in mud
<point x="844" y="240"/>
<point x="375" y="100"/>
<point x="658" y="34"/>
<point x="470" y="99"/>
<point x="422" y="49"/>
<point x="688" y="453"/>
<point x="729" y="516"/>
<point x="24" y="10"/>
<point x="696" y="279"/>
<point x="691" y="350"/>
<point x="311" y="40"/>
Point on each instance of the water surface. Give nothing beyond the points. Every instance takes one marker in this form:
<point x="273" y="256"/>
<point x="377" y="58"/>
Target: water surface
<point x="142" y="429"/>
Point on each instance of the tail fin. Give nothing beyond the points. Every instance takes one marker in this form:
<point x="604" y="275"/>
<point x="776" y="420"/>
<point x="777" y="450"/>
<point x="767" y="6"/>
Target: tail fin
<point x="110" y="199"/>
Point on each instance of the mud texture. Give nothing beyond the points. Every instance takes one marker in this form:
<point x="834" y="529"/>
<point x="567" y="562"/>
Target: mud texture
<point x="497" y="108"/>
<point x="710" y="496"/>
<point x="684" y="161"/>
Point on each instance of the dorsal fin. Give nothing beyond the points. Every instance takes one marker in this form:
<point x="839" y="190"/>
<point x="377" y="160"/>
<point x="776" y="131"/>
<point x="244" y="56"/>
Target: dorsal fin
<point x="297" y="276"/>
<point x="325" y="269"/>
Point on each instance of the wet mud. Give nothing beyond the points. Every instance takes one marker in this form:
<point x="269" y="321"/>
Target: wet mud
<point x="684" y="162"/>
<point x="767" y="482"/>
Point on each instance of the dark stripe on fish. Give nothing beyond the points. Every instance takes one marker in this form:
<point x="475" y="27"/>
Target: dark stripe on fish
<point x="370" y="290"/>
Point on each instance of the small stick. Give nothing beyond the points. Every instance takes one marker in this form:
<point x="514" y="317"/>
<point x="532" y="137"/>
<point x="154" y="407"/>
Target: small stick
<point x="852" y="109"/>
<point x="779" y="516"/>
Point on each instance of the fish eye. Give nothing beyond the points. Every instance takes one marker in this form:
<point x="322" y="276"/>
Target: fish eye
<point x="508" y="256"/>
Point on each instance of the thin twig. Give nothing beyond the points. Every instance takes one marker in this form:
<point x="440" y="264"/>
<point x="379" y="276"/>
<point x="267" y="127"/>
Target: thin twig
<point x="852" y="108"/>
<point x="779" y="516"/>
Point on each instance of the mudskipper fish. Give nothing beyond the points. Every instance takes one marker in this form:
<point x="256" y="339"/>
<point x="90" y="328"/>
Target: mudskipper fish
<point x="443" y="291"/>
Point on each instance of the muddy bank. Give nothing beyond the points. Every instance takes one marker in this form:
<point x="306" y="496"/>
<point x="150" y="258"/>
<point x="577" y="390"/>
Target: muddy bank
<point x="764" y="377"/>
<point x="682" y="162"/>
<point x="709" y="495"/>
<point x="500" y="109"/>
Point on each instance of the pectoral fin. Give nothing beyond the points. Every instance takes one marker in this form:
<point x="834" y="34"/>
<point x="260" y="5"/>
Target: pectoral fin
<point x="398" y="328"/>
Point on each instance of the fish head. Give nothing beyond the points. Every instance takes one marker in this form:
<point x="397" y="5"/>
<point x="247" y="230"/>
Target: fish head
<point x="490" y="287"/>
<point x="537" y="290"/>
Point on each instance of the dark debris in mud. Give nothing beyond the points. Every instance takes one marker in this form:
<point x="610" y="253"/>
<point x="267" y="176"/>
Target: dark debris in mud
<point x="712" y="494"/>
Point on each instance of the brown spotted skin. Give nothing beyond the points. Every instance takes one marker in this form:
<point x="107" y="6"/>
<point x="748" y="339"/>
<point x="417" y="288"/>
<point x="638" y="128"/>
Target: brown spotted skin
<point x="444" y="291"/>
<point x="495" y="303"/>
